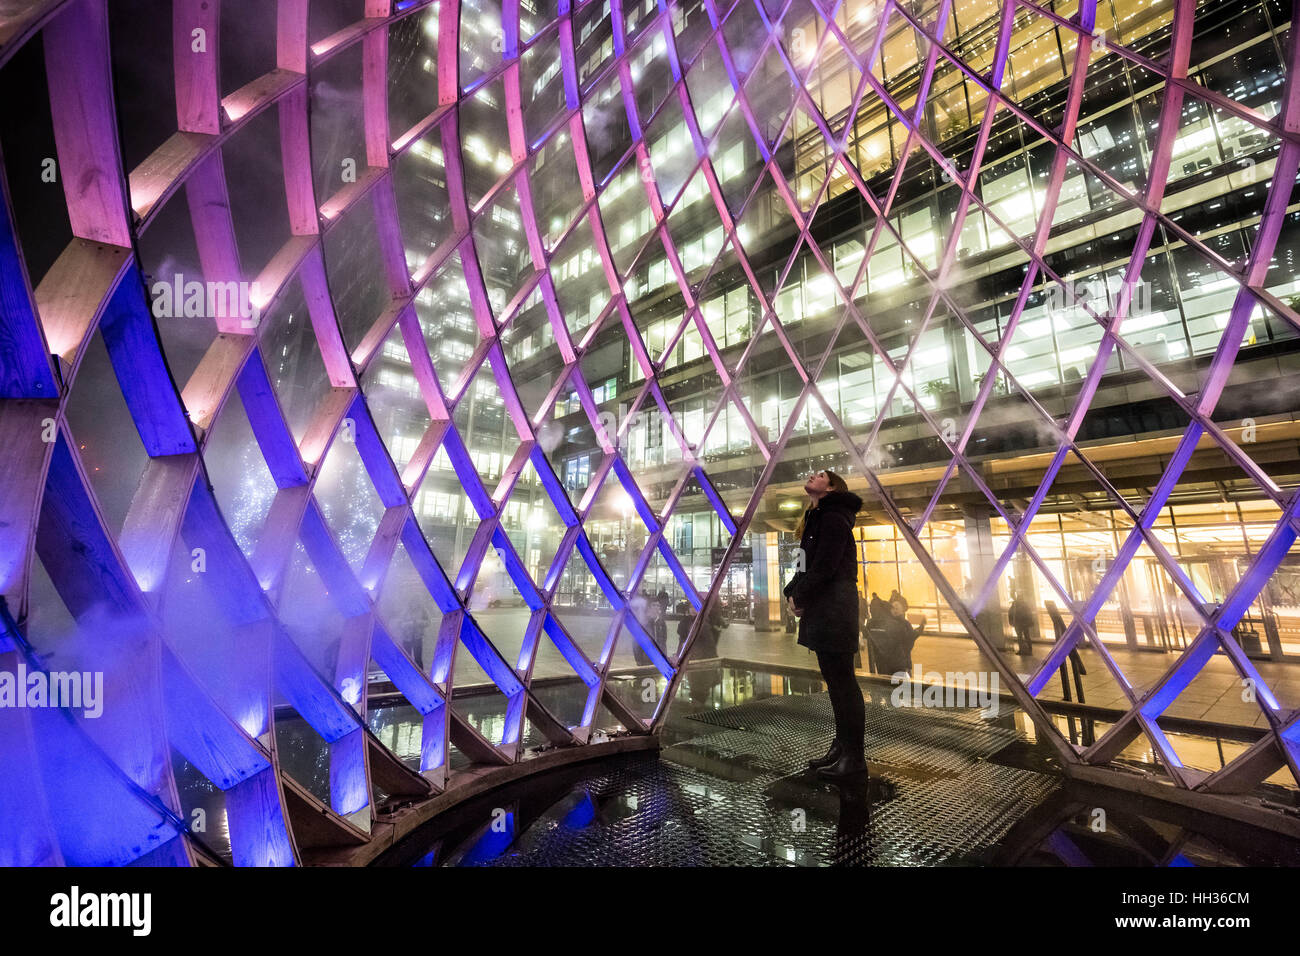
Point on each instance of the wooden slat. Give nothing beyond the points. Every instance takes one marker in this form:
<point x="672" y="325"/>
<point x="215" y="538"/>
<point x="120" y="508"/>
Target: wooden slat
<point x="353" y="660"/>
<point x="19" y="19"/>
<point x="259" y="834"/>
<point x="389" y="234"/>
<point x="142" y="373"/>
<point x="227" y="573"/>
<point x="380" y="554"/>
<point x="23" y="805"/>
<point x="80" y="558"/>
<point x="73" y="292"/>
<point x="86" y="789"/>
<point x="291" y="35"/>
<point x="25" y="369"/>
<point x="274" y="438"/>
<point x="395" y="777"/>
<point x="413" y="473"/>
<point x="378" y="333"/>
<point x="295" y="152"/>
<point x="197" y="96"/>
<point x="214" y="233"/>
<point x="85" y="123"/>
<point x="337" y="42"/>
<point x="347" y="596"/>
<point x="546" y="722"/>
<point x="261" y="93"/>
<point x="314" y="700"/>
<point x="374" y="96"/>
<point x="315" y="289"/>
<point x="337" y="205"/>
<point x="23" y="428"/>
<point x="154" y="180"/>
<point x="401" y="670"/>
<point x="349" y="792"/>
<point x="207" y="388"/>
<point x="206" y="737"/>
<point x="154" y="518"/>
<point x="430" y="572"/>
<point x="279" y="536"/>
<point x="324" y="423"/>
<point x="421" y="129"/>
<point x="280" y="270"/>
<point x="620" y="710"/>
<point x="313" y="823"/>
<point x="375" y="457"/>
<point x="1243" y="773"/>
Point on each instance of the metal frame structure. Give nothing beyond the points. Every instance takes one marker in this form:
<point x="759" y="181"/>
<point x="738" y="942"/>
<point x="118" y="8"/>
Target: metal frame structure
<point x="77" y="790"/>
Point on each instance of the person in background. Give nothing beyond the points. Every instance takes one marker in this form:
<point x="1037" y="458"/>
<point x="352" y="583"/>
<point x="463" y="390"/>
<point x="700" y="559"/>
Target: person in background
<point x="824" y="596"/>
<point x="656" y="625"/>
<point x="706" y="645"/>
<point x="879" y="607"/>
<point x="683" y="613"/>
<point x="893" y="635"/>
<point x="1021" y="617"/>
<point x="864" y="617"/>
<point x="417" y="623"/>
<point x="639" y="608"/>
<point x="704" y="674"/>
<point x="877" y="620"/>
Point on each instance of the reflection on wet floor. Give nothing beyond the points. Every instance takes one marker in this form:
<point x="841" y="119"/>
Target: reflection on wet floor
<point x="946" y="786"/>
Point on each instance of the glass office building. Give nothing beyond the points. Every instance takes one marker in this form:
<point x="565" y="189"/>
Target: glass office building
<point x="393" y="387"/>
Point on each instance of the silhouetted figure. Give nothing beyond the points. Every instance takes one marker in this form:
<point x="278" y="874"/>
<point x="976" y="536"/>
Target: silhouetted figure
<point x="706" y="643"/>
<point x="825" y="598"/>
<point x="1023" y="622"/>
<point x="892" y="635"/>
<point x="703" y="679"/>
<point x="639" y="607"/>
<point x="413" y="636"/>
<point x="656" y="627"/>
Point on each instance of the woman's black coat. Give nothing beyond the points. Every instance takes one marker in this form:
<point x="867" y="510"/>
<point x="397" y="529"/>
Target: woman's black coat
<point x="827" y="590"/>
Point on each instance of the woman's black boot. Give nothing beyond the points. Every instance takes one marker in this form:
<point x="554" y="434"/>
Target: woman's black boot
<point x="829" y="757"/>
<point x="850" y="764"/>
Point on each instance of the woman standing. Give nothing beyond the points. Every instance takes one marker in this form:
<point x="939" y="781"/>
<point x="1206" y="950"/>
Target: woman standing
<point x="824" y="596"/>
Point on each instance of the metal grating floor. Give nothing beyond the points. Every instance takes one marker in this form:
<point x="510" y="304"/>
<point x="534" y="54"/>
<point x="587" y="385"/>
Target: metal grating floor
<point x="800" y="727"/>
<point x="739" y="794"/>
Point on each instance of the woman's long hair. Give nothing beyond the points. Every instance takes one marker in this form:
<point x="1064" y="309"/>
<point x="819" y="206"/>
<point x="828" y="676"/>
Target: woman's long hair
<point x="837" y="484"/>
